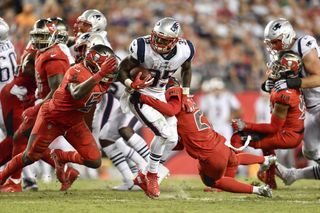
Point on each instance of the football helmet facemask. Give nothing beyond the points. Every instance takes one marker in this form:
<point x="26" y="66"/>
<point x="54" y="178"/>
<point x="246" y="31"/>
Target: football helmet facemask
<point x="43" y="34"/>
<point x="165" y="35"/>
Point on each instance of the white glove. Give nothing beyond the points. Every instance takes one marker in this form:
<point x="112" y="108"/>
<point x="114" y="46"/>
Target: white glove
<point x="19" y="91"/>
<point x="269" y="84"/>
<point x="281" y="85"/>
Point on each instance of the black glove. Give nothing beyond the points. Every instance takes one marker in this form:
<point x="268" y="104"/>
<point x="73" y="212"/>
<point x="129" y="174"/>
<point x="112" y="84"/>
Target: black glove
<point x="288" y="83"/>
<point x="267" y="85"/>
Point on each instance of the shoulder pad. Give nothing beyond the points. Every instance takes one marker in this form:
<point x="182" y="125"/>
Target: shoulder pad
<point x="137" y="49"/>
<point x="306" y="44"/>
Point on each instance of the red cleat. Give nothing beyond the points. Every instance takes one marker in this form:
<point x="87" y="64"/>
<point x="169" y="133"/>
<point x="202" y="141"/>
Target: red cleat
<point x="59" y="166"/>
<point x="262" y="175"/>
<point x="153" y="189"/>
<point x="70" y="176"/>
<point x="270" y="177"/>
<point x="141" y="181"/>
<point x="11" y="186"/>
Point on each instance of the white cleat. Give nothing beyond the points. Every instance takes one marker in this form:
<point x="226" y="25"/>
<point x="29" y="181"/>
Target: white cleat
<point x="268" y="161"/>
<point x="288" y="176"/>
<point x="163" y="172"/>
<point x="265" y="191"/>
<point x="126" y="187"/>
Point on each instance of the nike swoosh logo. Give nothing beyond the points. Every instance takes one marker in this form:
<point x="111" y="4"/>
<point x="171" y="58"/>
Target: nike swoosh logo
<point x="287" y="91"/>
<point x="53" y="55"/>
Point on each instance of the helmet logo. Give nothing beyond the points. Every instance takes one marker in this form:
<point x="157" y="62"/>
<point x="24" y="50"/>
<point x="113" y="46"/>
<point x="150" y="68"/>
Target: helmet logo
<point x="175" y="27"/>
<point x="98" y="17"/>
<point x="85" y="36"/>
<point x="276" y="27"/>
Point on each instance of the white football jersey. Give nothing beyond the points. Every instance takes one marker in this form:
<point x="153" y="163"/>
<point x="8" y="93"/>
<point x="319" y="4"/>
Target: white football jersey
<point x="161" y="66"/>
<point x="302" y="46"/>
<point x="8" y="63"/>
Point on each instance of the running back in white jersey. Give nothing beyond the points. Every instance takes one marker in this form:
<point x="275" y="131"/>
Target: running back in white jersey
<point x="8" y="63"/>
<point x="303" y="46"/>
<point x="162" y="67"/>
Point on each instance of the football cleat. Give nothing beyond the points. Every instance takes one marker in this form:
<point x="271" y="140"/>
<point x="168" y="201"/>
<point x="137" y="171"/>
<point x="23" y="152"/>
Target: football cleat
<point x="163" y="173"/>
<point x="29" y="184"/>
<point x="153" y="189"/>
<point x="70" y="176"/>
<point x="141" y="181"/>
<point x="59" y="166"/>
<point x="268" y="161"/>
<point x="126" y="187"/>
<point x="288" y="176"/>
<point x="11" y="186"/>
<point x="270" y="177"/>
<point x="265" y="191"/>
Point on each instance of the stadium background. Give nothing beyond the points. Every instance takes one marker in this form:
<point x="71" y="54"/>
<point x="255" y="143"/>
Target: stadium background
<point x="227" y="34"/>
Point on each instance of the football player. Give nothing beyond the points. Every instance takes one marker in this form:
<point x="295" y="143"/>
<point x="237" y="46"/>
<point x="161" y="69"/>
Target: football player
<point x="280" y="35"/>
<point x="217" y="162"/>
<point x="81" y="88"/>
<point x="288" y="111"/>
<point x="162" y="53"/>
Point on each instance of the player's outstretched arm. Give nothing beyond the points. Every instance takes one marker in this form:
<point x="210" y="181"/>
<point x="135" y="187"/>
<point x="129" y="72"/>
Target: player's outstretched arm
<point x="278" y="119"/>
<point x="80" y="90"/>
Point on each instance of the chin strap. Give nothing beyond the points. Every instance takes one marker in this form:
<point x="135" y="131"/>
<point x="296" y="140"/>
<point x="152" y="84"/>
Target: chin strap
<point x="228" y="144"/>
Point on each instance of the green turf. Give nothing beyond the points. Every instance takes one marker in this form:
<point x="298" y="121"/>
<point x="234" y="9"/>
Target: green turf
<point x="177" y="195"/>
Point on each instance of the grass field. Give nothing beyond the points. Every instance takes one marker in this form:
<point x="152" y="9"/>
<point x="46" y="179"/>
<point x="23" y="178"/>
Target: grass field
<point x="177" y="195"/>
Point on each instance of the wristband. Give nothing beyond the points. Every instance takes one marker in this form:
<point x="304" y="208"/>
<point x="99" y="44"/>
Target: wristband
<point x="128" y="82"/>
<point x="294" y="83"/>
<point x="185" y="90"/>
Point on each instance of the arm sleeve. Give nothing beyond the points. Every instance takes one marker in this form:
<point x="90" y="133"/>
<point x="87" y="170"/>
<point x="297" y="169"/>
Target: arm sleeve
<point x="273" y="127"/>
<point x="171" y="108"/>
<point x="54" y="67"/>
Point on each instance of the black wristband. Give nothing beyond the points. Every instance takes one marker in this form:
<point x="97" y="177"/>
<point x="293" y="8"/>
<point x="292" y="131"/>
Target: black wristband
<point x="294" y="83"/>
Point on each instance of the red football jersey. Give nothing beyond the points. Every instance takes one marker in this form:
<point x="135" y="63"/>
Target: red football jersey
<point x="64" y="106"/>
<point x="51" y="62"/>
<point x="296" y="112"/>
<point x="194" y="129"/>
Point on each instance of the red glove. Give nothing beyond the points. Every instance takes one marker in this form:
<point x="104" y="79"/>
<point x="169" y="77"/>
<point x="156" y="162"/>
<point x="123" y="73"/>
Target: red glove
<point x="140" y="84"/>
<point x="107" y="67"/>
<point x="188" y="103"/>
<point x="30" y="114"/>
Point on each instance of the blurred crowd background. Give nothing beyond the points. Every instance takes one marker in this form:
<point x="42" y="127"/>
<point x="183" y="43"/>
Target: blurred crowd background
<point x="227" y="34"/>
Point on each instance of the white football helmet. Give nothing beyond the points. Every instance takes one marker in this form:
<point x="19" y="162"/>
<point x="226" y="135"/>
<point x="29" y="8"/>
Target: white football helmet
<point x="90" y="21"/>
<point x="86" y="41"/>
<point x="4" y="30"/>
<point x="165" y="35"/>
<point x="278" y="30"/>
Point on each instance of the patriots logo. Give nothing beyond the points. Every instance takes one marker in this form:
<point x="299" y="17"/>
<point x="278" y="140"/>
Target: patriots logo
<point x="175" y="27"/>
<point x="309" y="43"/>
<point x="85" y="36"/>
<point x="276" y="27"/>
<point x="98" y="17"/>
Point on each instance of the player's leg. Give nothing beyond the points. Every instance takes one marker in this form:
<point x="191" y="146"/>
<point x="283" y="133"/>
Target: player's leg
<point x="6" y="150"/>
<point x="311" y="145"/>
<point x="290" y="175"/>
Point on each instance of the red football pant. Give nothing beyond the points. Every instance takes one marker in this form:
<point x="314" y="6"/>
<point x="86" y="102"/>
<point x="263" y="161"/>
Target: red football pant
<point x="281" y="140"/>
<point x="219" y="168"/>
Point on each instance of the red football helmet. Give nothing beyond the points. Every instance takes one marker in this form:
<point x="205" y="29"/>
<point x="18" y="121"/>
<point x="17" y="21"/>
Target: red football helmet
<point x="43" y="34"/>
<point x="95" y="57"/>
<point x="288" y="66"/>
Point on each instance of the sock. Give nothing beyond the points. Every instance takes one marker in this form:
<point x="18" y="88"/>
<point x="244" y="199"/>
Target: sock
<point x="6" y="150"/>
<point x="229" y="184"/>
<point x="71" y="157"/>
<point x="140" y="145"/>
<point x="311" y="172"/>
<point x="133" y="167"/>
<point x="248" y="159"/>
<point x="118" y="161"/>
<point x="14" y="165"/>
<point x="255" y="190"/>
<point x="157" y="148"/>
<point x="19" y="146"/>
<point x="129" y="153"/>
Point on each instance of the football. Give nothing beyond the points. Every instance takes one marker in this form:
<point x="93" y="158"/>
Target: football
<point x="134" y="72"/>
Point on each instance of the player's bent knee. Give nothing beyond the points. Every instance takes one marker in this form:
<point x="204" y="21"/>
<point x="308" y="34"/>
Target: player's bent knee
<point x="93" y="164"/>
<point x="208" y="181"/>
